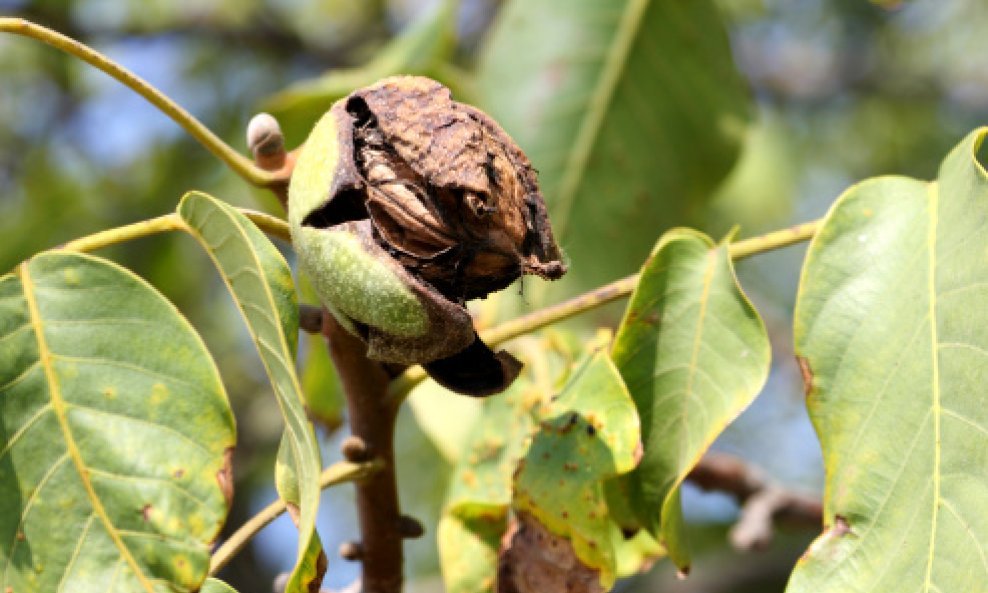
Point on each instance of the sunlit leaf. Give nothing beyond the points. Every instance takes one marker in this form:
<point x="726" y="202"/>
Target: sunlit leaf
<point x="261" y="284"/>
<point x="116" y="432"/>
<point x="631" y="110"/>
<point x="693" y="353"/>
<point x="216" y="586"/>
<point x="448" y="419"/>
<point x="476" y="512"/>
<point x="893" y="335"/>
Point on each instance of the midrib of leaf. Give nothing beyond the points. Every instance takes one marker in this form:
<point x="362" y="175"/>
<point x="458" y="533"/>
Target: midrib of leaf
<point x="600" y="100"/>
<point x="695" y="355"/>
<point x="931" y="279"/>
<point x="298" y="422"/>
<point x="58" y="407"/>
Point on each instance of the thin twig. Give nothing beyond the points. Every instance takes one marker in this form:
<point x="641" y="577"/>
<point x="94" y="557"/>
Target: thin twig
<point x="271" y="225"/>
<point x="762" y="501"/>
<point x="338" y="473"/>
<point x="144" y="228"/>
<point x="600" y="296"/>
<point x="240" y="164"/>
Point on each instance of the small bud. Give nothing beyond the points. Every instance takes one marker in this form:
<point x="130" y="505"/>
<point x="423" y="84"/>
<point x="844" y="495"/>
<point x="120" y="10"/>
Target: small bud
<point x="410" y="527"/>
<point x="310" y="318"/>
<point x="266" y="142"/>
<point x="352" y="551"/>
<point x="355" y="449"/>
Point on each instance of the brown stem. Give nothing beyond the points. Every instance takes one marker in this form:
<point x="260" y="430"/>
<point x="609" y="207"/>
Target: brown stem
<point x="365" y="384"/>
<point x="762" y="502"/>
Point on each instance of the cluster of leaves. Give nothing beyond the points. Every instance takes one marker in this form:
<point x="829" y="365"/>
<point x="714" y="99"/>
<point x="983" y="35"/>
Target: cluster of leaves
<point x="114" y="469"/>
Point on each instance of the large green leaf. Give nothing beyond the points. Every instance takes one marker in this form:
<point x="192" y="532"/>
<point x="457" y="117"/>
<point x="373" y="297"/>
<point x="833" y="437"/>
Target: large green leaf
<point x="893" y="335"/>
<point x="116" y="434"/>
<point x="590" y="434"/>
<point x="261" y="284"/>
<point x="694" y="353"/>
<point x="216" y="586"/>
<point x="631" y="110"/>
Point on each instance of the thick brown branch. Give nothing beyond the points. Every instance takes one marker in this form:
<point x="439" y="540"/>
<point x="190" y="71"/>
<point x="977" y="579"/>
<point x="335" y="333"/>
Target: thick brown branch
<point x="365" y="384"/>
<point x="762" y="502"/>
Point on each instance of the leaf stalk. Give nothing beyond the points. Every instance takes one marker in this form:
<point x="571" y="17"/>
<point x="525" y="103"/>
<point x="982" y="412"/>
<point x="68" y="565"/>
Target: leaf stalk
<point x="338" y="473"/>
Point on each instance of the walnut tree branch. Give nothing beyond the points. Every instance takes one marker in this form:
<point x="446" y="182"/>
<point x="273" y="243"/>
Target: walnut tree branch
<point x="372" y="421"/>
<point x="763" y="503"/>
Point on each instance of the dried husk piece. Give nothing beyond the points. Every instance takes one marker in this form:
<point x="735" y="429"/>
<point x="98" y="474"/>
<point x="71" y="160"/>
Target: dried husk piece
<point x="436" y="197"/>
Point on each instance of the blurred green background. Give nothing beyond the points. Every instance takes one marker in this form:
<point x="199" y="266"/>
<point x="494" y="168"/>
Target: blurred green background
<point x="829" y="93"/>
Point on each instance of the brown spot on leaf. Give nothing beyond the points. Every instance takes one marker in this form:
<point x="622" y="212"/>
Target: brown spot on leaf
<point x="807" y="373"/>
<point x="841" y="527"/>
<point x="224" y="477"/>
<point x="639" y="452"/>
<point x="316" y="583"/>
<point x="146" y="511"/>
<point x="178" y="473"/>
<point x="534" y="560"/>
<point x="570" y="466"/>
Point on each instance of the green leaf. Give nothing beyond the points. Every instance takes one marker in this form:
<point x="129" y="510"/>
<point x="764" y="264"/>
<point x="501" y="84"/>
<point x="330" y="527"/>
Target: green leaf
<point x="261" y="284"/>
<point x="893" y="335"/>
<point x="631" y="110"/>
<point x="591" y="434"/>
<point x="476" y="513"/>
<point x="636" y="554"/>
<point x="448" y="419"/>
<point x="116" y="431"/>
<point x="216" y="586"/>
<point x="694" y="353"/>
<point x="469" y="536"/>
<point x="421" y="49"/>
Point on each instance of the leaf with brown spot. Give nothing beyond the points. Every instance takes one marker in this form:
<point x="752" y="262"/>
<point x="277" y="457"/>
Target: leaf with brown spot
<point x="476" y="510"/>
<point x="890" y="316"/>
<point x="87" y="489"/>
<point x="560" y="486"/>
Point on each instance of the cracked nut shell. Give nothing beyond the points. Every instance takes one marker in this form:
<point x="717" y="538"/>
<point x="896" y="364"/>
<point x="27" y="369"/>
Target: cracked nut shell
<point x="405" y="204"/>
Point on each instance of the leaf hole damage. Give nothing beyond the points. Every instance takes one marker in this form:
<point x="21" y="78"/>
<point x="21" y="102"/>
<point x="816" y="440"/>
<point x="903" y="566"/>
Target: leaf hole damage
<point x="437" y="191"/>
